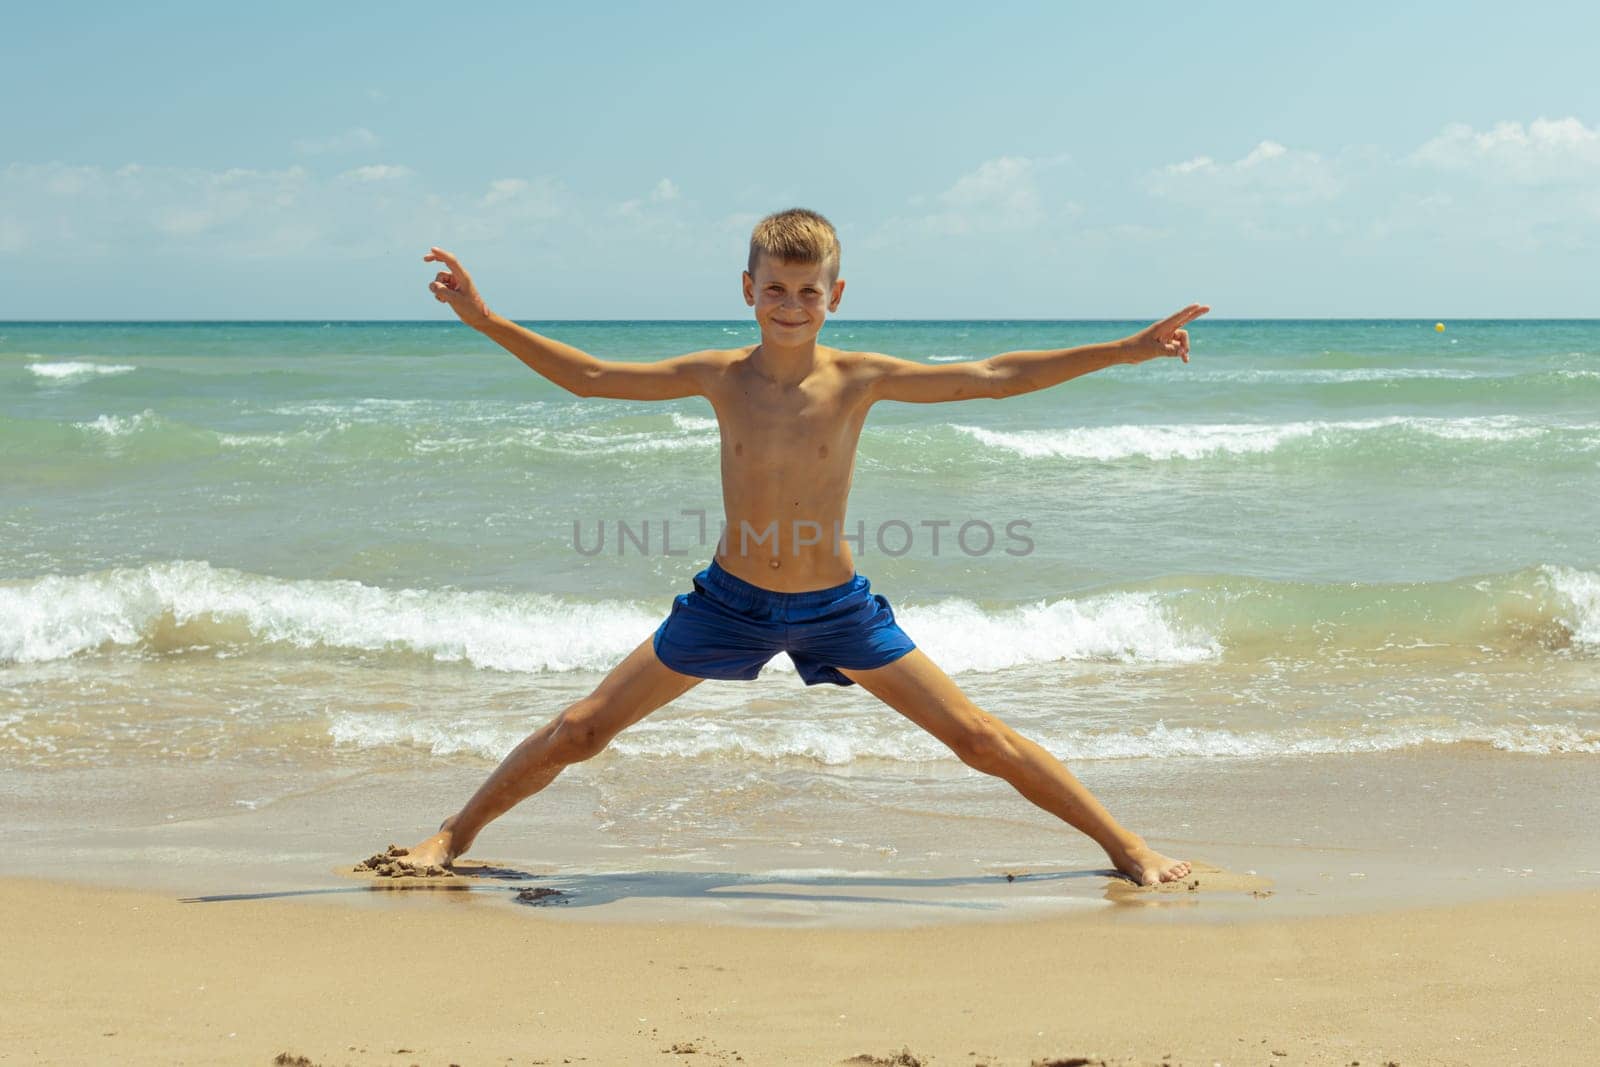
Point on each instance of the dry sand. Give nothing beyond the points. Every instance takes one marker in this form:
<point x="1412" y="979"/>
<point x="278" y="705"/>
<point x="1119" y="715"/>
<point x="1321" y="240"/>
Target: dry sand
<point x="118" y="976"/>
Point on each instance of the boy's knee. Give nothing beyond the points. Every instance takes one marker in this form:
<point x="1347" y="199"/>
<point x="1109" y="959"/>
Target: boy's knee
<point x="578" y="734"/>
<point x="985" y="745"/>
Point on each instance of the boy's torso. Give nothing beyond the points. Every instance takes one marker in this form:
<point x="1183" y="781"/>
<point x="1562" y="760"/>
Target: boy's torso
<point x="788" y="454"/>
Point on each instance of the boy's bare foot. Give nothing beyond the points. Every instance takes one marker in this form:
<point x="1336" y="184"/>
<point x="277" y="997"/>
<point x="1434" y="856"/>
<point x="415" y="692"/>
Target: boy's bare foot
<point x="436" y="851"/>
<point x="420" y="862"/>
<point x="1146" y="866"/>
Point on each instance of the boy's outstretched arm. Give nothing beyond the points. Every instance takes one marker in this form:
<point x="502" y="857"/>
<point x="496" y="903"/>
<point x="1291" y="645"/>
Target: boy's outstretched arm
<point x="1014" y="373"/>
<point x="572" y="369"/>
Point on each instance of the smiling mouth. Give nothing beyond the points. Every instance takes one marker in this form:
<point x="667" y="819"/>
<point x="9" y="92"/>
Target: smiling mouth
<point x="780" y="322"/>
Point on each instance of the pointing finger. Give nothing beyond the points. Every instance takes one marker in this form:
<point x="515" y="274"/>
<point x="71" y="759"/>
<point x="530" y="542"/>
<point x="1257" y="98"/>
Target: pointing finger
<point x="463" y="280"/>
<point x="1176" y="319"/>
<point x="439" y="255"/>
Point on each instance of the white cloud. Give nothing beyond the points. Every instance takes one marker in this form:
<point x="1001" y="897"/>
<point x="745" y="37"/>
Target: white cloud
<point x="664" y="191"/>
<point x="354" y="140"/>
<point x="377" y="172"/>
<point x="502" y="189"/>
<point x="1544" y="151"/>
<point x="1001" y="195"/>
<point x="1268" y="174"/>
<point x="77" y="212"/>
<point x="511" y="202"/>
<point x="1005" y="185"/>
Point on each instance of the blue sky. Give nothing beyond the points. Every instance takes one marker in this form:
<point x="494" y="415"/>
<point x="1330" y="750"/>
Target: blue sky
<point x="606" y="161"/>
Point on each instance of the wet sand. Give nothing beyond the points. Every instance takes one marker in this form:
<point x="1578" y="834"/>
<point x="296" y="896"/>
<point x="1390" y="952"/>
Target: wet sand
<point x="1270" y="838"/>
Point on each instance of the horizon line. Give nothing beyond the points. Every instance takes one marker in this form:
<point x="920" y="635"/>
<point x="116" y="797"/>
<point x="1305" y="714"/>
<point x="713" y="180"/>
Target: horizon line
<point x="751" y="322"/>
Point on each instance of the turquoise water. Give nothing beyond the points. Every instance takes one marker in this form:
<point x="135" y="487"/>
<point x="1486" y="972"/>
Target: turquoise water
<point x="352" y="544"/>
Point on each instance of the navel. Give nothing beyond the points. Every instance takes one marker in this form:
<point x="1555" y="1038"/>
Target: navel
<point x="738" y="448"/>
<point x="775" y="563"/>
<point x="822" y="451"/>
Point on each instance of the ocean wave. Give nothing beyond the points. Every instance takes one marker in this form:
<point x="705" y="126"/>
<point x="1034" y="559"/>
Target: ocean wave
<point x="120" y="425"/>
<point x="1162" y="442"/>
<point x="1579" y="608"/>
<point x="341" y="433"/>
<point x="693" y="423"/>
<point x="1314" y="376"/>
<point x="169" y="607"/>
<point x="184" y="604"/>
<point x="845" y="740"/>
<point x="61" y="372"/>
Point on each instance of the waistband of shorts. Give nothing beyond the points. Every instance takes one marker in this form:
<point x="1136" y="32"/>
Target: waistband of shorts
<point x="734" y="586"/>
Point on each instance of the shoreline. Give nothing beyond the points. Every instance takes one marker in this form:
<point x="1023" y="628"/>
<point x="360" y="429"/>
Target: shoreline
<point x="135" y="977"/>
<point x="1295" y="836"/>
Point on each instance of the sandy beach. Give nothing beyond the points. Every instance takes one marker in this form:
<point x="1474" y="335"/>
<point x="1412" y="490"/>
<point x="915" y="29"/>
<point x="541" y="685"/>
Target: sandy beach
<point x="1425" y="907"/>
<point x="107" y="976"/>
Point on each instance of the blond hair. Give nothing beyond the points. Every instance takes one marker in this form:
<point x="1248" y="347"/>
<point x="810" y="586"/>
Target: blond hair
<point x="797" y="236"/>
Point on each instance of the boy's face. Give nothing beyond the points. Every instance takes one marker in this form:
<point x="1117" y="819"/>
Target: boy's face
<point x="792" y="300"/>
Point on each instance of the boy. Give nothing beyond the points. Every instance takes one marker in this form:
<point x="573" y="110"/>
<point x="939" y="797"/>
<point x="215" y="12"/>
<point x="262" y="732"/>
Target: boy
<point x="783" y="579"/>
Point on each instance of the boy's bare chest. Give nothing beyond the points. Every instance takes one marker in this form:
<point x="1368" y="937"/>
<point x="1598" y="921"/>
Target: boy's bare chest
<point x="762" y="423"/>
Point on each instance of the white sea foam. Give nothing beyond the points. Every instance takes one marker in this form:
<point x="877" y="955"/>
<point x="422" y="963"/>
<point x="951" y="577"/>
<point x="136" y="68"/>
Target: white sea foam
<point x="1199" y="440"/>
<point x="75" y="369"/>
<point x="694" y="423"/>
<point x="572" y="442"/>
<point x="733" y="738"/>
<point x="1121" y="627"/>
<point x="1149" y="442"/>
<point x="1310" y="376"/>
<point x="845" y="740"/>
<point x="254" y="440"/>
<point x="1581" y="611"/>
<point x="387" y="731"/>
<point x="1480" y="428"/>
<point x="57" y="617"/>
<point x="119" y="425"/>
<point x="361" y="406"/>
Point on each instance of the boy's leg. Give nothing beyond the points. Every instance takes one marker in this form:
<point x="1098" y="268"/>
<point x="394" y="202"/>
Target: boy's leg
<point x="635" y="687"/>
<point x="915" y="687"/>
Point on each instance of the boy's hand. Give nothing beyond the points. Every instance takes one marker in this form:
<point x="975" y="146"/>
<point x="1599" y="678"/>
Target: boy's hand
<point x="454" y="287"/>
<point x="1166" y="338"/>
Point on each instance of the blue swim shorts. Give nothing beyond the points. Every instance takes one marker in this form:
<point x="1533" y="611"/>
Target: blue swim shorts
<point x="728" y="629"/>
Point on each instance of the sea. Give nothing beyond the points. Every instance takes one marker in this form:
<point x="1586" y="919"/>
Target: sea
<point x="242" y="562"/>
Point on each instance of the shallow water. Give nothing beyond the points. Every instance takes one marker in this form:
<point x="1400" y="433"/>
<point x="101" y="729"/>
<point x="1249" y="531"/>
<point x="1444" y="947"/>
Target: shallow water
<point x="348" y="549"/>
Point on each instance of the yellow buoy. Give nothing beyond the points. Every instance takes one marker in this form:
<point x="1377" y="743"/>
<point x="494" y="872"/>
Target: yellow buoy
<point x="1438" y="327"/>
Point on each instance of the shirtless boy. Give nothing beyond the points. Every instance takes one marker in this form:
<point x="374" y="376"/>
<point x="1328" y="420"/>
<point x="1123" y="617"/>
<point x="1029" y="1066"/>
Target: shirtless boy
<point x="783" y="579"/>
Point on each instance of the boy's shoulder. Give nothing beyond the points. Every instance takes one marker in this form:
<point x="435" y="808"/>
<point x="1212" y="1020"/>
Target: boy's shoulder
<point x="863" y="364"/>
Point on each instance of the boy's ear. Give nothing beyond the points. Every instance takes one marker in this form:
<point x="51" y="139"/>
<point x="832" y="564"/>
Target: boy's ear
<point x="833" y="298"/>
<point x="749" y="284"/>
